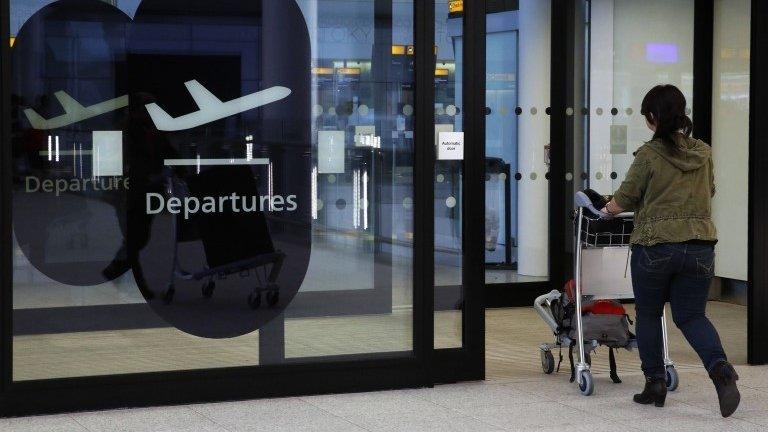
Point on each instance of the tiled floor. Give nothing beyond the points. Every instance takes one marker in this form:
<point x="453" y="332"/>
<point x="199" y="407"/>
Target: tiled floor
<point x="516" y="396"/>
<point x="538" y="403"/>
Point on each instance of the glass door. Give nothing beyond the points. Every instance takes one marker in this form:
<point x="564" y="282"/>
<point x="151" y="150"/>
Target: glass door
<point x="210" y="186"/>
<point x="618" y="50"/>
<point x="517" y="82"/>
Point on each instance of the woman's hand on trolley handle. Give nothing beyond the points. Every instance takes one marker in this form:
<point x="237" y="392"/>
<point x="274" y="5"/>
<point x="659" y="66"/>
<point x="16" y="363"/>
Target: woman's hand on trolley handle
<point x="611" y="209"/>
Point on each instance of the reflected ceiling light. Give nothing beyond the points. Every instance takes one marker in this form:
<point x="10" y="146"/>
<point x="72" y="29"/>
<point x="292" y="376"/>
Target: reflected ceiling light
<point x="365" y="199"/>
<point x="322" y="71"/>
<point x="661" y="53"/>
<point x="349" y="71"/>
<point x="314" y="192"/>
<point x="455" y="6"/>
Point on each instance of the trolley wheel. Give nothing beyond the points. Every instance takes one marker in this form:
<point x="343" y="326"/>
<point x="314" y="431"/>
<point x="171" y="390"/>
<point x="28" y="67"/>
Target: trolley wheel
<point x="673" y="380"/>
<point x="169" y="293"/>
<point x="273" y="297"/>
<point x="547" y="362"/>
<point x="254" y="300"/>
<point x="587" y="384"/>
<point x="208" y="289"/>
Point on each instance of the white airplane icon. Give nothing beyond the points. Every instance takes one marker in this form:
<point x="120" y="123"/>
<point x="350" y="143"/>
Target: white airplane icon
<point x="73" y="111"/>
<point x="212" y="108"/>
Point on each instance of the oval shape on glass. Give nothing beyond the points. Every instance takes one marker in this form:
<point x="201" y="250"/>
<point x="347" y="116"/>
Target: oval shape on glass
<point x="213" y="211"/>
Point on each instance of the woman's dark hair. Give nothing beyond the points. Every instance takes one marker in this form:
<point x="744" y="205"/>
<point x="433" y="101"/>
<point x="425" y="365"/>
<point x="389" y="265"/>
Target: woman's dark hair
<point x="664" y="107"/>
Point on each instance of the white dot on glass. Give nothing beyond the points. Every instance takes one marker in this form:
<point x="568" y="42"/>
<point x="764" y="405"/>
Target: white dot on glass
<point x="331" y="179"/>
<point x="408" y="110"/>
<point x="407" y="203"/>
<point x="599" y="175"/>
<point x="363" y="110"/>
<point x="569" y="111"/>
<point x="451" y="110"/>
<point x="440" y="178"/>
<point x="687" y="111"/>
<point x="568" y="176"/>
<point x="440" y="111"/>
<point x="318" y="110"/>
<point x="320" y="204"/>
<point x="534" y="176"/>
<point x="599" y="111"/>
<point x="630" y="111"/>
<point x="332" y="111"/>
<point x="450" y="202"/>
<point x="502" y="176"/>
<point x="534" y="110"/>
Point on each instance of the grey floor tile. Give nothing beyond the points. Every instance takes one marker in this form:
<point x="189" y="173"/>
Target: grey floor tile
<point x="468" y="395"/>
<point x="753" y="376"/>
<point x="706" y="398"/>
<point x="160" y="419"/>
<point x="56" y="423"/>
<point x="620" y="409"/>
<point x="397" y="411"/>
<point x="586" y="425"/>
<point x="557" y="387"/>
<point x="274" y="415"/>
<point x="758" y="417"/>
<point x="530" y="416"/>
<point x="695" y="424"/>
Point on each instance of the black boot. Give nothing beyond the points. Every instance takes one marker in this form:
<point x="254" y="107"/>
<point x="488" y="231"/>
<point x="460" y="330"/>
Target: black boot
<point x="724" y="376"/>
<point x="655" y="392"/>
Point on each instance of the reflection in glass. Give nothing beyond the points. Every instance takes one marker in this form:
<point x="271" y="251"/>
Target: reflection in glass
<point x="230" y="179"/>
<point x="517" y="137"/>
<point x="448" y="174"/>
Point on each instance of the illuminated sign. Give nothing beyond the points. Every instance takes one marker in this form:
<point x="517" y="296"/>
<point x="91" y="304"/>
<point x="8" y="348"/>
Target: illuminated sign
<point x="322" y="71"/>
<point x="456" y="6"/>
<point x="349" y="71"/>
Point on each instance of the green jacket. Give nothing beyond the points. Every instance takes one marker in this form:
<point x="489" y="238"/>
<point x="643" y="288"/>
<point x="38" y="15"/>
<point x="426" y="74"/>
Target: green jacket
<point x="670" y="192"/>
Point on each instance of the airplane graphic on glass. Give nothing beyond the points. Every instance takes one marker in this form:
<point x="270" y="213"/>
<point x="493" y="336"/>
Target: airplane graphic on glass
<point x="210" y="107"/>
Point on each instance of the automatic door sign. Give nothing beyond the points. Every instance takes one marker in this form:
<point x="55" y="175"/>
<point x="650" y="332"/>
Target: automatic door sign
<point x="173" y="149"/>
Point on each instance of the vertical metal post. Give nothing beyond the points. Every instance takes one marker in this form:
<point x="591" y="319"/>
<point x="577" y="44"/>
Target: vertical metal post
<point x="424" y="193"/>
<point x="577" y="293"/>
<point x="6" y="243"/>
<point x="665" y="338"/>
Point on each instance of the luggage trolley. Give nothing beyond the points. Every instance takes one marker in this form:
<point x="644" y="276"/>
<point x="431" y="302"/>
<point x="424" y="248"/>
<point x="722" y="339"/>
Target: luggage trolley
<point x="606" y="256"/>
<point x="254" y="251"/>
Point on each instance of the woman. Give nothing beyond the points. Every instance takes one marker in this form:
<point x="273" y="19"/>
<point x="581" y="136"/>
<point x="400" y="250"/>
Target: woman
<point x="670" y="186"/>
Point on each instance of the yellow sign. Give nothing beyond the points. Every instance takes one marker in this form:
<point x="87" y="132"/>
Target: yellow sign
<point x="456" y="6"/>
<point x="349" y="71"/>
<point x="322" y="71"/>
<point x="13" y="41"/>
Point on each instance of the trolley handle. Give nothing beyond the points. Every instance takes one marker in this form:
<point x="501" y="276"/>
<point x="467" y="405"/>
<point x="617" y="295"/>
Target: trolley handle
<point x="582" y="200"/>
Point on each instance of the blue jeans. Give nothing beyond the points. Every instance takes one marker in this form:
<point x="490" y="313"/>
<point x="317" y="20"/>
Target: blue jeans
<point x="681" y="274"/>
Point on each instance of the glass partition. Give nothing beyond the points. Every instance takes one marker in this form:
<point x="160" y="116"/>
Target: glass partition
<point x="449" y="169"/>
<point x="625" y="48"/>
<point x="517" y="142"/>
<point x="211" y="184"/>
